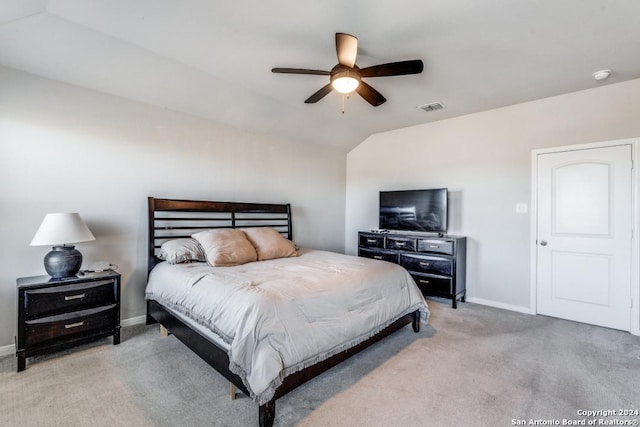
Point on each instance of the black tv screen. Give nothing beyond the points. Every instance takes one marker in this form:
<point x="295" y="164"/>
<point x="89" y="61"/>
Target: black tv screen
<point x="414" y="210"/>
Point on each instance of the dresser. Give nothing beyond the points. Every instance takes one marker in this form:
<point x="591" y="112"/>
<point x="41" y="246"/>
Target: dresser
<point x="437" y="264"/>
<point x="54" y="314"/>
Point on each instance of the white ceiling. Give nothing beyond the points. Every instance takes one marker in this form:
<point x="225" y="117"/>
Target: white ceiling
<point x="213" y="59"/>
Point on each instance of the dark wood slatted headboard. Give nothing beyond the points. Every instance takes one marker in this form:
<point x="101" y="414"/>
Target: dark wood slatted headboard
<point x="173" y="218"/>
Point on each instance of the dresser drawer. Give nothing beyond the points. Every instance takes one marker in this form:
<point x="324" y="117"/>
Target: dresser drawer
<point x="401" y="243"/>
<point x="427" y="264"/>
<point x="53" y="329"/>
<point x="370" y="241"/>
<point x="62" y="299"/>
<point x="431" y="285"/>
<point x="377" y="254"/>
<point x="435" y="245"/>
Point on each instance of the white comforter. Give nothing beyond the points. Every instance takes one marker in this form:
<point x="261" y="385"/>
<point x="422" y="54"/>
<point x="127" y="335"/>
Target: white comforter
<point x="282" y="315"/>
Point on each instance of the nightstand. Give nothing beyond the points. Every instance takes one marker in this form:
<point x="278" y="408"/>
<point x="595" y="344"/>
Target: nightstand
<point x="54" y="314"/>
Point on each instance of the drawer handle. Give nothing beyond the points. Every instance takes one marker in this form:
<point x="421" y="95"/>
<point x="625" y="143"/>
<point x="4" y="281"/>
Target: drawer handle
<point x="425" y="264"/>
<point x="426" y="282"/>
<point x="72" y="297"/>
<point x="434" y="246"/>
<point x="377" y="257"/>
<point x="400" y="243"/>
<point x="372" y="241"/>
<point x="74" y="325"/>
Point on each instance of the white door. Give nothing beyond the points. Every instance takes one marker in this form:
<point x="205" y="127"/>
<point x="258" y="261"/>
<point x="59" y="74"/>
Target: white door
<point x="584" y="235"/>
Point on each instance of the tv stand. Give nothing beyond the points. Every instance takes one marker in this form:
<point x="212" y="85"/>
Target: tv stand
<point x="436" y="262"/>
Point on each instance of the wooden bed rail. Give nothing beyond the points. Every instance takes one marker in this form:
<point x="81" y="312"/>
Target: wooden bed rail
<point x="219" y="360"/>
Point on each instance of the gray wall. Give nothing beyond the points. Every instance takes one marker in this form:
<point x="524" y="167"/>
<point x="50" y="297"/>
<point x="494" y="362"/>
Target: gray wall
<point x="485" y="161"/>
<point x="67" y="149"/>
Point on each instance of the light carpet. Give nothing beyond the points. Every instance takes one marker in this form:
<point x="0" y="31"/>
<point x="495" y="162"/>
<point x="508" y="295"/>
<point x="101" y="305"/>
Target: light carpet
<point x="474" y="366"/>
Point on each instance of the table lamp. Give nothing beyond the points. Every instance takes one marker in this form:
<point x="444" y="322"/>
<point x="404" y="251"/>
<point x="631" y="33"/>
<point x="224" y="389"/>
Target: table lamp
<point x="58" y="230"/>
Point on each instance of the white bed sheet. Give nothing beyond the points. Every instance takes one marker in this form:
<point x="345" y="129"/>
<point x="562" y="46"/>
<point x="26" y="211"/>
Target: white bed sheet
<point x="280" y="316"/>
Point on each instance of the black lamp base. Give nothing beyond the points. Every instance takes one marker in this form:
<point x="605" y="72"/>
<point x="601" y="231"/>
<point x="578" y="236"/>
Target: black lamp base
<point x="63" y="261"/>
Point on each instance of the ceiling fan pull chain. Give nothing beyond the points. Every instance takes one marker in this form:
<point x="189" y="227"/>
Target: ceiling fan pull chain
<point x="344" y="96"/>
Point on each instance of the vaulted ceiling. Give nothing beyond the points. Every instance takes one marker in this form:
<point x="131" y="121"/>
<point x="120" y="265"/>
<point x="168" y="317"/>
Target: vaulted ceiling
<point x="213" y="59"/>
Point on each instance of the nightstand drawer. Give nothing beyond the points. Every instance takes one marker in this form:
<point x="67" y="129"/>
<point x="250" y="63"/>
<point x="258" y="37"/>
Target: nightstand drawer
<point x="433" y="285"/>
<point x="380" y="255"/>
<point x="62" y="299"/>
<point x="369" y="241"/>
<point x="433" y="245"/>
<point x="427" y="264"/>
<point x="47" y="330"/>
<point x="401" y="243"/>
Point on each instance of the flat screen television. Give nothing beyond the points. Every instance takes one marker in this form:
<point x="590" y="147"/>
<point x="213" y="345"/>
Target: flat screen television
<point x="414" y="210"/>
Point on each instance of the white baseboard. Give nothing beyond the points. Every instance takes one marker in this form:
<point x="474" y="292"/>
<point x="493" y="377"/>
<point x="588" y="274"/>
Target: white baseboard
<point x="7" y="350"/>
<point x="497" y="304"/>
<point x="139" y="320"/>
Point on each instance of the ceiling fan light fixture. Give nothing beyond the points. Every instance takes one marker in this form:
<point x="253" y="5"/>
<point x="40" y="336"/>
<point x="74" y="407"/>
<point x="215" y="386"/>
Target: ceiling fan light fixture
<point x="345" y="81"/>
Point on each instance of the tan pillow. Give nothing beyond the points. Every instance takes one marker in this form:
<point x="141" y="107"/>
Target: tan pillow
<point x="225" y="247"/>
<point x="269" y="243"/>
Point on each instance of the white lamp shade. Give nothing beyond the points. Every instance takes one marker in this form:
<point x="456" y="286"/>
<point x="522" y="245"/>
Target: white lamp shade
<point x="60" y="229"/>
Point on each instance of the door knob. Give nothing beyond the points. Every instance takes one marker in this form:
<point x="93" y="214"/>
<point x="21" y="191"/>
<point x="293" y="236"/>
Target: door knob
<point x="543" y="243"/>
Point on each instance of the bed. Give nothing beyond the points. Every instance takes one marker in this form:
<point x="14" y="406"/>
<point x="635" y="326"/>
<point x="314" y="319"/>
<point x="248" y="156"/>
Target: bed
<point x="269" y="326"/>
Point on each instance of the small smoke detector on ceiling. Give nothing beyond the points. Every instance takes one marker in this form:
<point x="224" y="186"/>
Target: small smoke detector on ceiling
<point x="433" y="106"/>
<point x="601" y="75"/>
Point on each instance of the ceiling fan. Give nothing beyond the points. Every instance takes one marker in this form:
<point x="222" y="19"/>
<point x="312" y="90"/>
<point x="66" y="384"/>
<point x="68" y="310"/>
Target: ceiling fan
<point x="346" y="76"/>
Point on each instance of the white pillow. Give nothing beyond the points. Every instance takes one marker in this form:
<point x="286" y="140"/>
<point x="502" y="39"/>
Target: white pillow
<point x="225" y="247"/>
<point x="176" y="251"/>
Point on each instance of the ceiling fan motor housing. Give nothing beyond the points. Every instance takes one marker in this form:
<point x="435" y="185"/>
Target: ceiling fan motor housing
<point x="345" y="79"/>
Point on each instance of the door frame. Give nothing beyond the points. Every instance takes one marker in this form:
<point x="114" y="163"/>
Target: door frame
<point x="634" y="327"/>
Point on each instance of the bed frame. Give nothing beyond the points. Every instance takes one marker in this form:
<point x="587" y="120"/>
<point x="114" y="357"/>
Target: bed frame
<point x="170" y="219"/>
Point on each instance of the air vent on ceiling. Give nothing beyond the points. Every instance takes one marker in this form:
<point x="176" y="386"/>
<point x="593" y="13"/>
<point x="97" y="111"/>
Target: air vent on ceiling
<point x="431" y="107"/>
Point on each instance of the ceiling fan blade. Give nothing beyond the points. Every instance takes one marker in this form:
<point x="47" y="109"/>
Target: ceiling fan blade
<point x="347" y="49"/>
<point x="300" y="71"/>
<point x="324" y="91"/>
<point x="414" y="66"/>
<point x="370" y="95"/>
